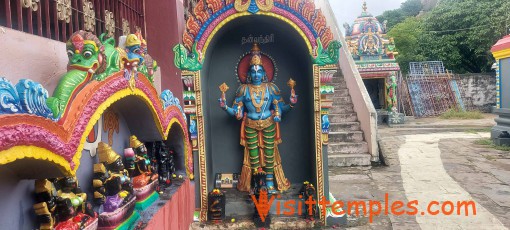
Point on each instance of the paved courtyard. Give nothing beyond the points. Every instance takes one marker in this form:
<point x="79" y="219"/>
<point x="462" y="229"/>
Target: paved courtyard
<point x="433" y="160"/>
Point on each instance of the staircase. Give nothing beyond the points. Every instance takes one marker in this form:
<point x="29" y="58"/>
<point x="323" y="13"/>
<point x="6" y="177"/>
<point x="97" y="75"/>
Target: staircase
<point x="347" y="147"/>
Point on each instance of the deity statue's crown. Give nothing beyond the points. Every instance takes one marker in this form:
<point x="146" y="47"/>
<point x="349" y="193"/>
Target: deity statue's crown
<point x="140" y="37"/>
<point x="132" y="40"/>
<point x="106" y="153"/>
<point x="255" y="60"/>
<point x="99" y="168"/>
<point x="255" y="52"/>
<point x="43" y="185"/>
<point x="134" y="142"/>
<point x="255" y="48"/>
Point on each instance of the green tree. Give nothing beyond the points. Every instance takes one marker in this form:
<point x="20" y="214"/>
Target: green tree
<point x="392" y="17"/>
<point x="407" y="36"/>
<point x="461" y="32"/>
<point x="409" y="8"/>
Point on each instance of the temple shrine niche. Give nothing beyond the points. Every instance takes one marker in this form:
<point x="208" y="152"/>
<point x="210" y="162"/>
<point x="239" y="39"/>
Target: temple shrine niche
<point x="255" y="92"/>
<point x="374" y="54"/>
<point x="105" y="151"/>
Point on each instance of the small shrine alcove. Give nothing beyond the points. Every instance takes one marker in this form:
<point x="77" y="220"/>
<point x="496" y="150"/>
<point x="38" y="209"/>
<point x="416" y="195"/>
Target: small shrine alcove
<point x="291" y="60"/>
<point x="176" y="142"/>
<point x="293" y="42"/>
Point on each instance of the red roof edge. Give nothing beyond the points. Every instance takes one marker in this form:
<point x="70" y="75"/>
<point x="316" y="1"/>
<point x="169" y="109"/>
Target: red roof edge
<point x="502" y="44"/>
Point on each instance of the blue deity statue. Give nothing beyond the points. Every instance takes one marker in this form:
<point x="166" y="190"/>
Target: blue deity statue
<point x="260" y="106"/>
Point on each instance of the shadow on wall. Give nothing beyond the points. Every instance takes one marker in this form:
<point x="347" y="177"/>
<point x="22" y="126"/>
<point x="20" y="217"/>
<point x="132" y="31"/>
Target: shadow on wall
<point x="16" y="198"/>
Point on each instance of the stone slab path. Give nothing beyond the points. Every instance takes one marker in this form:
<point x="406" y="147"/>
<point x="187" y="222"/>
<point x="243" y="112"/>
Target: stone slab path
<point x="425" y="179"/>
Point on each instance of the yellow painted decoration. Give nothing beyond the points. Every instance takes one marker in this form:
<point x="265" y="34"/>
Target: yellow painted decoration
<point x="132" y="40"/>
<point x="102" y="108"/>
<point x="501" y="54"/>
<point x="34" y="152"/>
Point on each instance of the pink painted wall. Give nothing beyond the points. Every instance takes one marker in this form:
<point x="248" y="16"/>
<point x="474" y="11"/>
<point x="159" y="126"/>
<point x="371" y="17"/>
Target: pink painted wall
<point x="164" y="25"/>
<point x="28" y="56"/>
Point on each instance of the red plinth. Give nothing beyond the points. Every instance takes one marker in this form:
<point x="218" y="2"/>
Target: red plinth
<point x="177" y="213"/>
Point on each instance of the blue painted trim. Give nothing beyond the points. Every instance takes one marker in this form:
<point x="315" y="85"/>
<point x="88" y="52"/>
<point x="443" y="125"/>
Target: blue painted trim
<point x="211" y="19"/>
<point x="499" y="81"/>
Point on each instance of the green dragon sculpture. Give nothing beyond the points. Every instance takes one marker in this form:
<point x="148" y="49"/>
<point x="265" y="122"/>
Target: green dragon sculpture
<point x="329" y="56"/>
<point x="89" y="58"/>
<point x="93" y="58"/>
<point x="185" y="61"/>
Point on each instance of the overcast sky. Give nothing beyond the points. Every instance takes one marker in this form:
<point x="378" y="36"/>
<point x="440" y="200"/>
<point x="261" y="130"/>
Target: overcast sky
<point x="348" y="10"/>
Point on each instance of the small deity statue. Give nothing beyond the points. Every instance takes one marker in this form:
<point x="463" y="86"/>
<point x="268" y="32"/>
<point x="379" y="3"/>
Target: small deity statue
<point x="165" y="159"/>
<point x="391" y="90"/>
<point x="262" y="196"/>
<point x="347" y="28"/>
<point x="132" y="58"/>
<point x="135" y="58"/>
<point x="129" y="162"/>
<point x="216" y="210"/>
<point x="370" y="46"/>
<point x="142" y="174"/>
<point x="111" y="182"/>
<point x="308" y="192"/>
<point x="260" y="105"/>
<point x="353" y="46"/>
<point x="390" y="49"/>
<point x="62" y="205"/>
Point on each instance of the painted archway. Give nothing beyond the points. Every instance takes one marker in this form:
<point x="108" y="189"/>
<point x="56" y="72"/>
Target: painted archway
<point x="209" y="17"/>
<point x="24" y="136"/>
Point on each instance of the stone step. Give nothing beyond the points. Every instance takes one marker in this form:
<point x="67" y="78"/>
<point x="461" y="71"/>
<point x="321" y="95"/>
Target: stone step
<point x="337" y="118"/>
<point x="344" y="126"/>
<point x="346" y="136"/>
<point x="341" y="109"/>
<point x="341" y="100"/>
<point x="338" y="84"/>
<point x="348" y="160"/>
<point x="340" y="87"/>
<point x="339" y="148"/>
<point x="341" y="92"/>
<point x="338" y="79"/>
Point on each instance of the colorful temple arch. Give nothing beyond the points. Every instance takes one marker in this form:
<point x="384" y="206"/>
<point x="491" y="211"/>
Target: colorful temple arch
<point x="209" y="18"/>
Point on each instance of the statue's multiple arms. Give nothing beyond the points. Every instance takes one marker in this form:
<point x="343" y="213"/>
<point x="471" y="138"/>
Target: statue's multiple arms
<point x="237" y="108"/>
<point x="279" y="103"/>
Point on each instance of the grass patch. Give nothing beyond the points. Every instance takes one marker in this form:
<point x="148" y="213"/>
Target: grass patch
<point x="475" y="131"/>
<point x="484" y="142"/>
<point x="460" y="114"/>
<point x="488" y="143"/>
